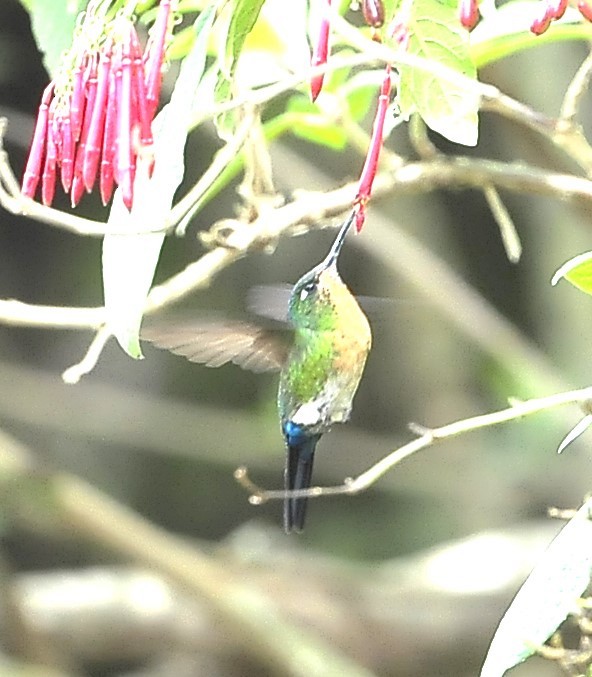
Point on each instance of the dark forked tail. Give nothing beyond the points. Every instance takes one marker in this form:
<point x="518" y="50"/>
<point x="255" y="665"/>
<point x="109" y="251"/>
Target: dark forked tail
<point x="298" y="475"/>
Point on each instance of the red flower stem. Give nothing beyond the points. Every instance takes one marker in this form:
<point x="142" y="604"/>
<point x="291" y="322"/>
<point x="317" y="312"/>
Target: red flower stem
<point x="155" y="56"/>
<point x="123" y="173"/>
<point x="371" y="163"/>
<point x="320" y="50"/>
<point x="92" y="147"/>
<point x="33" y="166"/>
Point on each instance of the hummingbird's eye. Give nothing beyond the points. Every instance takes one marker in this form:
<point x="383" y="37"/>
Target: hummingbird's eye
<point x="307" y="290"/>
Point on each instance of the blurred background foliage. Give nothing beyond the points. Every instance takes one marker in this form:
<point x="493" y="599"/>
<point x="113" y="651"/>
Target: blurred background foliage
<point x="164" y="436"/>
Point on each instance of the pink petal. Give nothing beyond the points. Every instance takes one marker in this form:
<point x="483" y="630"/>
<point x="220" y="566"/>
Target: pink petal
<point x="67" y="163"/>
<point x="96" y="128"/>
<point x="123" y="172"/>
<point x="373" y="11"/>
<point x="468" y="11"/>
<point x="155" y="56"/>
<point x="49" y="173"/>
<point x="33" y="166"/>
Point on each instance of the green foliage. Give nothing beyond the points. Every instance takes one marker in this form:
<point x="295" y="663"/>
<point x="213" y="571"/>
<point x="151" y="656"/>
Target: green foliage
<point x="243" y="15"/>
<point x="313" y="126"/>
<point x="53" y="23"/>
<point x="505" y="32"/>
<point x="446" y="107"/>
<point x="578" y="271"/>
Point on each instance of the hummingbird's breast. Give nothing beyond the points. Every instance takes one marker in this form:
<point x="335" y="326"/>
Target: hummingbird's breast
<point x="320" y="380"/>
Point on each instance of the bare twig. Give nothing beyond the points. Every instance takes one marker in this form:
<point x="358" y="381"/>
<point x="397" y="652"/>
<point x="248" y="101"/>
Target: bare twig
<point x="576" y="89"/>
<point x="18" y="314"/>
<point x="508" y="232"/>
<point x="313" y="209"/>
<point x="74" y="373"/>
<point x="185" y="208"/>
<point x="428" y="437"/>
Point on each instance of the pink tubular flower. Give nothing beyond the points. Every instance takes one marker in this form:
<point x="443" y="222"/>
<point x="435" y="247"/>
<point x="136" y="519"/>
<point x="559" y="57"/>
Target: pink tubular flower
<point x="551" y="10"/>
<point x="95" y="117"/>
<point x="398" y="29"/>
<point x="468" y="13"/>
<point x="33" y="168"/>
<point x="370" y="165"/>
<point x="373" y="11"/>
<point x="585" y="9"/>
<point x="320" y="49"/>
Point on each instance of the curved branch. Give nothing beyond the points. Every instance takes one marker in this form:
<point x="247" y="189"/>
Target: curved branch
<point x="428" y="437"/>
<point x="313" y="209"/>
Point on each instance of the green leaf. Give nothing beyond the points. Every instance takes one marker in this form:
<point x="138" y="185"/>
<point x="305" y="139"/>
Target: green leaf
<point x="548" y="595"/>
<point x="53" y="22"/>
<point x="578" y="271"/>
<point x="361" y="93"/>
<point x="506" y="31"/>
<point x="449" y="109"/>
<point x="129" y="261"/>
<point x="310" y="124"/>
<point x="243" y="16"/>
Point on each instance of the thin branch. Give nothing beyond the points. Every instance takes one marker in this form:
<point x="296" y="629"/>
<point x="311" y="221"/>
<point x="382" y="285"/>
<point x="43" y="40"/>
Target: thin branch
<point x="428" y="437"/>
<point x="576" y="89"/>
<point x="186" y="207"/>
<point x="74" y="373"/>
<point x="18" y="314"/>
<point x="313" y="209"/>
<point x="507" y="228"/>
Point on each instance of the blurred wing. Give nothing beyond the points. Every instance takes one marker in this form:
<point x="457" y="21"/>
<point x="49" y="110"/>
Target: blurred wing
<point x="216" y="343"/>
<point x="272" y="301"/>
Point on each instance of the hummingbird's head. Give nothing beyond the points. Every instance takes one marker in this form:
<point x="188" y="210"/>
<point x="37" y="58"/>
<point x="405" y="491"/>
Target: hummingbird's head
<point x="317" y="296"/>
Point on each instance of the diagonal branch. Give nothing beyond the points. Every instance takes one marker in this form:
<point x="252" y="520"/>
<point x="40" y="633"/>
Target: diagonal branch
<point x="428" y="437"/>
<point x="313" y="209"/>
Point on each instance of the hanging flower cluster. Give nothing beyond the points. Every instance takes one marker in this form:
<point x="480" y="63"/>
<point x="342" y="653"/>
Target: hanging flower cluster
<point x="95" y="116"/>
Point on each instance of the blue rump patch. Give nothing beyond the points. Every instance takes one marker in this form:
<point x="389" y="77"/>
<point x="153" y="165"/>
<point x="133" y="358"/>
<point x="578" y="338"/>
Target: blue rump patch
<point x="295" y="434"/>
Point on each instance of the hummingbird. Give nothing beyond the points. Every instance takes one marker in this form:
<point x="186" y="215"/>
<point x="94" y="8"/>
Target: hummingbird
<point x="321" y="361"/>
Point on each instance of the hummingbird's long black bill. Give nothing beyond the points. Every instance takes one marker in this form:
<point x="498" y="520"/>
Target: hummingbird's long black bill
<point x="333" y="254"/>
<point x="298" y="475"/>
